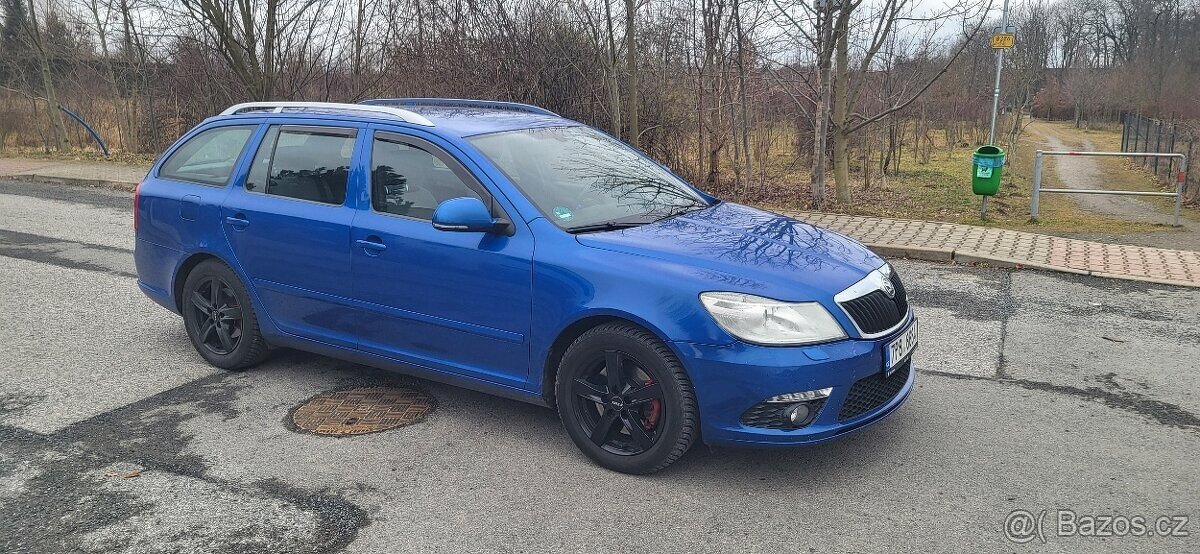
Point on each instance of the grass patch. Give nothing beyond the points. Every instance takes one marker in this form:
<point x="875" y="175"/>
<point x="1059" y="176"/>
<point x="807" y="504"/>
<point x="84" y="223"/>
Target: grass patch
<point x="79" y="155"/>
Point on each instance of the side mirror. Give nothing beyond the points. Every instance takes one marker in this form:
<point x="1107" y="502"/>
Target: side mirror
<point x="468" y="215"/>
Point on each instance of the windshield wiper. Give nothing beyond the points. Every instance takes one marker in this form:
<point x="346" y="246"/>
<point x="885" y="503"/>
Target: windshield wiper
<point x="683" y="210"/>
<point x="605" y="226"/>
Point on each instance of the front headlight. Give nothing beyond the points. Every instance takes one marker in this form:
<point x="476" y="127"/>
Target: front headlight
<point x="764" y="321"/>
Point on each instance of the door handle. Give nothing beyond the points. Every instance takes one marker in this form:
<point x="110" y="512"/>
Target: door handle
<point x="239" y="221"/>
<point x="371" y="245"/>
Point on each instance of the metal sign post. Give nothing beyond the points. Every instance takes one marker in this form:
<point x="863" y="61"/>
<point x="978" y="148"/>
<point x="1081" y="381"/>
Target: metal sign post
<point x="1004" y="44"/>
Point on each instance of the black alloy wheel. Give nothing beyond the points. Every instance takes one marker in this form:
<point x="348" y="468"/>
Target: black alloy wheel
<point x="219" y="317"/>
<point x="215" y="311"/>
<point x="622" y="405"/>
<point x="625" y="399"/>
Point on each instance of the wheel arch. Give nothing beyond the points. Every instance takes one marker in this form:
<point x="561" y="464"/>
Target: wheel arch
<point x="577" y="328"/>
<point x="184" y="270"/>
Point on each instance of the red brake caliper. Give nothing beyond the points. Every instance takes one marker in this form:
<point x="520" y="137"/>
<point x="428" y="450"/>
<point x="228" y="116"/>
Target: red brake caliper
<point x="653" y="411"/>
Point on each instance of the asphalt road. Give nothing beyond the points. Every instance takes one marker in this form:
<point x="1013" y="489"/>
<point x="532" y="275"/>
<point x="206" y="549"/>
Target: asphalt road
<point x="1036" y="391"/>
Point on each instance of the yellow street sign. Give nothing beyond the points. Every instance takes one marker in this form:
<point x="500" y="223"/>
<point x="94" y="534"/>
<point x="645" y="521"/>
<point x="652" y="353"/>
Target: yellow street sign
<point x="1003" y="40"/>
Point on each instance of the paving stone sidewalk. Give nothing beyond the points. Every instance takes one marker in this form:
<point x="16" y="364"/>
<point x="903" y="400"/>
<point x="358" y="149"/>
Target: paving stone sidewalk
<point x="1002" y="247"/>
<point x="925" y="240"/>
<point x="72" y="172"/>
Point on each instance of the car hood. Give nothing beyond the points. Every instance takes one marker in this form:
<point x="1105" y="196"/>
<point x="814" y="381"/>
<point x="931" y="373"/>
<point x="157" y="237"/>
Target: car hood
<point x="749" y="250"/>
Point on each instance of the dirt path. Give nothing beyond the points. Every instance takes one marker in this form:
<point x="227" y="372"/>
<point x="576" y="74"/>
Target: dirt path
<point x="1087" y="173"/>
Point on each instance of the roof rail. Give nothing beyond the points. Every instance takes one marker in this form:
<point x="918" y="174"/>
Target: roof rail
<point x="460" y="103"/>
<point x="279" y="107"/>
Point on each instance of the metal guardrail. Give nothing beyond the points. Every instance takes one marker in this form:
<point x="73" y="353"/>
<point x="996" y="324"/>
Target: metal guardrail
<point x="1037" y="178"/>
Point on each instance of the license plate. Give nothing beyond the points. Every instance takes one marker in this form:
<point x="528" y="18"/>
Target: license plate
<point x="899" y="349"/>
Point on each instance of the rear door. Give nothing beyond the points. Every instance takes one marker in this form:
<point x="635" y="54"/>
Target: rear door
<point x="183" y="198"/>
<point x="179" y="202"/>
<point x="454" y="301"/>
<point x="289" y="227"/>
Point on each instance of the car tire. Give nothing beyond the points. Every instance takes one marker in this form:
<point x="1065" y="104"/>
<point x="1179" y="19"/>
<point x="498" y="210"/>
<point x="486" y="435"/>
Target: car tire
<point x="638" y="419"/>
<point x="220" y="319"/>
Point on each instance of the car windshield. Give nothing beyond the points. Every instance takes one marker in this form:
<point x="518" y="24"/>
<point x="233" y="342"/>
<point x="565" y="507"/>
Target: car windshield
<point x="584" y="180"/>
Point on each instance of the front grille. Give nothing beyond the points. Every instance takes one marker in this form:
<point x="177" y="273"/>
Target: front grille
<point x="874" y="312"/>
<point x="770" y="415"/>
<point x="874" y="391"/>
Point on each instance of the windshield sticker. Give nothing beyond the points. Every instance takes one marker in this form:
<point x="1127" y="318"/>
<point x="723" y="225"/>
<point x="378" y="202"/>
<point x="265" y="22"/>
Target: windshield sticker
<point x="562" y="213"/>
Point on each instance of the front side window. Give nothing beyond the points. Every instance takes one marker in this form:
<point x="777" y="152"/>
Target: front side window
<point x="208" y="158"/>
<point x="308" y="163"/>
<point x="584" y="180"/>
<point x="410" y="181"/>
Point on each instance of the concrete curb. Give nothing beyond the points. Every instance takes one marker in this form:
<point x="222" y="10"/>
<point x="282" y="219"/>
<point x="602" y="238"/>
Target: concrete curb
<point x="952" y="256"/>
<point x="914" y="252"/>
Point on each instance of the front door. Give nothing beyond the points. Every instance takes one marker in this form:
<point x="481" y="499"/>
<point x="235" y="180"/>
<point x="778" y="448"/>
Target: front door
<point x="289" y="227"/>
<point x="451" y="301"/>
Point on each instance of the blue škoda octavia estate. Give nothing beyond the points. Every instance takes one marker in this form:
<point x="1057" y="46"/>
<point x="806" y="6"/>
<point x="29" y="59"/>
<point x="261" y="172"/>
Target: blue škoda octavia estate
<point x="503" y="248"/>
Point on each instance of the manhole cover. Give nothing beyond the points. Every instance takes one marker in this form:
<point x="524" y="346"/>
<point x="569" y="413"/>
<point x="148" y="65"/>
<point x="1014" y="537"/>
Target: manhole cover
<point x="362" y="410"/>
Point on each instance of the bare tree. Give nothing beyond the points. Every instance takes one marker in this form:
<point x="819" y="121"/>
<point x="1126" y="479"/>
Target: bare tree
<point x="41" y="51"/>
<point x="631" y="72"/>
<point x="847" y="121"/>
<point x="715" y="89"/>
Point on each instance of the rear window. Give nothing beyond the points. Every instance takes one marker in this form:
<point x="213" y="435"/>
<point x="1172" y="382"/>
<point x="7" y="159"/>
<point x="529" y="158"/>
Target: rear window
<point x="208" y="158"/>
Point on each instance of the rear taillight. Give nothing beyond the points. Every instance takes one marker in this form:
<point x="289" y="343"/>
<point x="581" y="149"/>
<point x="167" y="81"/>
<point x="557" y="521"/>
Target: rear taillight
<point x="137" y="193"/>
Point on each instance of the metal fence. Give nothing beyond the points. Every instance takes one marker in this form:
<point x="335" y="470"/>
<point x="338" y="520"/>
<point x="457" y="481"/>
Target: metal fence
<point x="1144" y="134"/>
<point x="1035" y="199"/>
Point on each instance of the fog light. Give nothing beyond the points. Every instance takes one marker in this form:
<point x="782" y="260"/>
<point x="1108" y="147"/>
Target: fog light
<point x="798" y="414"/>
<point x="800" y="396"/>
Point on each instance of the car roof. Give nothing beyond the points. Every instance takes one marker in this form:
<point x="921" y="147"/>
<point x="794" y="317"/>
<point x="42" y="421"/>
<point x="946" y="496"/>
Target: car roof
<point x="468" y="121"/>
<point x="458" y="118"/>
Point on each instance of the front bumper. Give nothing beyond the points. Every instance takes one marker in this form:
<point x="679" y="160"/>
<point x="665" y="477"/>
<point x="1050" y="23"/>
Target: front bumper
<point x="731" y="379"/>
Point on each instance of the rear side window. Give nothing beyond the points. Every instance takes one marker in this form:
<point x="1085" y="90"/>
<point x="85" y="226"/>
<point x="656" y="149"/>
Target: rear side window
<point x="208" y="158"/>
<point x="308" y="163"/>
<point x="410" y="181"/>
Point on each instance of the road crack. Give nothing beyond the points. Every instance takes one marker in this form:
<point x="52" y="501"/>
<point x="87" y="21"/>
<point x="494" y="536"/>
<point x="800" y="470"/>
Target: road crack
<point x="1137" y="403"/>
<point x="60" y="477"/>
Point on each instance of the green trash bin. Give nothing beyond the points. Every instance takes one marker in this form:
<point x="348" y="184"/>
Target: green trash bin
<point x="987" y="165"/>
